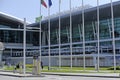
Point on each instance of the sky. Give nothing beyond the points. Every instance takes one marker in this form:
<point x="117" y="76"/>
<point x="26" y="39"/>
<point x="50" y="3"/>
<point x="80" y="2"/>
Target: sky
<point x="30" y="9"/>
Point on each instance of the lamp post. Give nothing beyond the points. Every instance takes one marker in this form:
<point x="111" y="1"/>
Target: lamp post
<point x="24" y="47"/>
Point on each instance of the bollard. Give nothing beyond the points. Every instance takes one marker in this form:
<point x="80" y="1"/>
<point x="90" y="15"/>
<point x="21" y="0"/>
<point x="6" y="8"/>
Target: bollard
<point x="38" y="67"/>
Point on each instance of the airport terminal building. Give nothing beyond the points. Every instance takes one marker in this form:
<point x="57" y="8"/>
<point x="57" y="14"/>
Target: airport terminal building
<point x="11" y="34"/>
<point x="58" y="47"/>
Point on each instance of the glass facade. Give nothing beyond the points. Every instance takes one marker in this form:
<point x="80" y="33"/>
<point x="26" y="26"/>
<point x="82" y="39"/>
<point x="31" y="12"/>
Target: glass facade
<point x="8" y="35"/>
<point x="12" y="36"/>
<point x="91" y="31"/>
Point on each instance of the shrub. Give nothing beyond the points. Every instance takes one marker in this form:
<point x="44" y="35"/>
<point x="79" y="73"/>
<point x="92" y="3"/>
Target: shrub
<point x="112" y="68"/>
<point x="29" y="65"/>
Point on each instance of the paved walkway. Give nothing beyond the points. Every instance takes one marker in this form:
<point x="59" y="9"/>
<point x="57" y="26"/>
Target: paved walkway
<point x="5" y="73"/>
<point x="110" y="75"/>
<point x="55" y="77"/>
<point x="107" y="75"/>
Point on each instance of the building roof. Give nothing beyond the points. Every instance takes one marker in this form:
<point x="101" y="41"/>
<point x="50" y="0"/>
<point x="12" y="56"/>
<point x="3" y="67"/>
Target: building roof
<point x="90" y="13"/>
<point x="6" y="18"/>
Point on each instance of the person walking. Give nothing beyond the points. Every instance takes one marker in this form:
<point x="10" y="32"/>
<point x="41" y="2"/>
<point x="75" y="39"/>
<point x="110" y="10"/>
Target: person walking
<point x="41" y="64"/>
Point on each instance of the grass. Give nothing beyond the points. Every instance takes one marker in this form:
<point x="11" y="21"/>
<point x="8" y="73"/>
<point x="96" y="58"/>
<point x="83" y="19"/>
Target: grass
<point x="29" y="68"/>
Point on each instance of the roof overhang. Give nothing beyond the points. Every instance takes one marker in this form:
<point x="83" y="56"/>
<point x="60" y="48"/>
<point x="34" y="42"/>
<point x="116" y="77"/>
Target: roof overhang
<point x="90" y="14"/>
<point x="5" y="18"/>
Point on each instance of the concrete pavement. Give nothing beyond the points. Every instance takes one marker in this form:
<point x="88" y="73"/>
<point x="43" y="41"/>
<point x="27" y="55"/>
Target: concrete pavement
<point x="105" y="75"/>
<point x="55" y="77"/>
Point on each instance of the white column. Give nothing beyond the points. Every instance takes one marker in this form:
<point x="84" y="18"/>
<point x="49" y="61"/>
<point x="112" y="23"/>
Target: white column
<point x="80" y="32"/>
<point x="94" y="32"/>
<point x="67" y="33"/>
<point x="109" y="27"/>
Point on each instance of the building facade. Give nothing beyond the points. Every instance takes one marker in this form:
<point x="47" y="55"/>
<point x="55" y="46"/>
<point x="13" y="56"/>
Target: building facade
<point x="11" y="34"/>
<point x="65" y="45"/>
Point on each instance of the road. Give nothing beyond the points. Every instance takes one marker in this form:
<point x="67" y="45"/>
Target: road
<point x="55" y="77"/>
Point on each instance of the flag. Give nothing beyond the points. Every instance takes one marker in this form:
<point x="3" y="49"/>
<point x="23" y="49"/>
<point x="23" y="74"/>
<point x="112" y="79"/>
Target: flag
<point x="49" y="3"/>
<point x="43" y="3"/>
<point x="38" y="19"/>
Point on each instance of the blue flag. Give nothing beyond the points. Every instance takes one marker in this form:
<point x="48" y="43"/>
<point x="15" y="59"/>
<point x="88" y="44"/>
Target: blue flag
<point x="49" y="3"/>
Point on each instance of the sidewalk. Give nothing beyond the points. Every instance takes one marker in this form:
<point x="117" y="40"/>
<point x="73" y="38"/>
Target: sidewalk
<point x="107" y="75"/>
<point x="10" y="73"/>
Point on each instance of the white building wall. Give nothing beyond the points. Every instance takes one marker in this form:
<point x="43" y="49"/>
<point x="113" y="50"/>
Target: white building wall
<point x="65" y="60"/>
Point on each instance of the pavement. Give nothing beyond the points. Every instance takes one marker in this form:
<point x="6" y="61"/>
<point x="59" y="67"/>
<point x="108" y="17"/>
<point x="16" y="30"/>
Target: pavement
<point x="105" y="75"/>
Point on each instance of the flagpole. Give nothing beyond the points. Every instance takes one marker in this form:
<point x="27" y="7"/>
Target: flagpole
<point x="83" y="30"/>
<point x="40" y="38"/>
<point x="98" y="35"/>
<point x="49" y="36"/>
<point x="71" y="34"/>
<point x="59" y="36"/>
<point x="113" y="35"/>
<point x="24" y="47"/>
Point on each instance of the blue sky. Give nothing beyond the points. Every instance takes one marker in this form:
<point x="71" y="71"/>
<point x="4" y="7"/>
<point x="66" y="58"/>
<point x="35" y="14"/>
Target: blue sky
<point x="30" y="9"/>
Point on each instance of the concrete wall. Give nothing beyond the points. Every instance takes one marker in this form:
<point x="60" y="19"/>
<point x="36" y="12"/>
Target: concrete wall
<point x="65" y="61"/>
